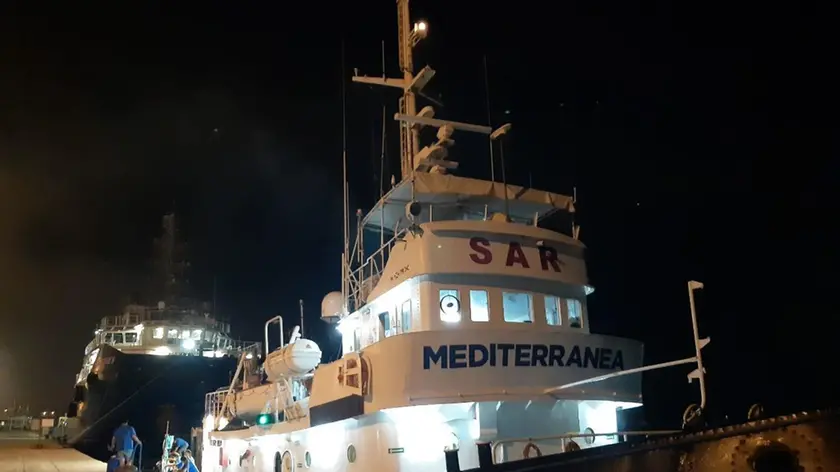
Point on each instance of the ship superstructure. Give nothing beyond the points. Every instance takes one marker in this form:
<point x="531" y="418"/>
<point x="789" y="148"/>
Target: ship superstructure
<point x="175" y="325"/>
<point x="469" y="323"/>
<point x="146" y="364"/>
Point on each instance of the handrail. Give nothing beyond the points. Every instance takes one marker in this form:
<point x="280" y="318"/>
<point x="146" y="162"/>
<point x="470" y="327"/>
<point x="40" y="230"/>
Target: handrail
<point x="279" y="320"/>
<point x="372" y="266"/>
<point x="563" y="437"/>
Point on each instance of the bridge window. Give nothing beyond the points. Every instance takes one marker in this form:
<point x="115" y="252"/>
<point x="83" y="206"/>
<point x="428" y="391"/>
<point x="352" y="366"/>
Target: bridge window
<point x="108" y="338"/>
<point x="450" y="306"/>
<point x="517" y="307"/>
<point x="552" y="311"/>
<point x="478" y="306"/>
<point x="130" y="338"/>
<point x="405" y="316"/>
<point x="173" y="334"/>
<point x="158" y="334"/>
<point x="118" y="338"/>
<point x="575" y="312"/>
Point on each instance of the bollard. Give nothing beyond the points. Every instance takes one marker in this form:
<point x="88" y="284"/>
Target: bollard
<point x="452" y="463"/>
<point x="485" y="455"/>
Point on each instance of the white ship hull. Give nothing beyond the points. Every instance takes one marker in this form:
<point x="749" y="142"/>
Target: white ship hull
<point x="401" y="440"/>
<point x="488" y="403"/>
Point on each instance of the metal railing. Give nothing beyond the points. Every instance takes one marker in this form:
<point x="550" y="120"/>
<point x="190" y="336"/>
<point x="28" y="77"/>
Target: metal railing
<point x="361" y="280"/>
<point x="565" y="439"/>
<point x="214" y="403"/>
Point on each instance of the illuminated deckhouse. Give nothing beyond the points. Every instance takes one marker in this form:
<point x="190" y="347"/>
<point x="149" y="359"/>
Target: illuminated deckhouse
<point x="469" y="323"/>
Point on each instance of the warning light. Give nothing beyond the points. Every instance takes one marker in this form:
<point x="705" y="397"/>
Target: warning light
<point x="264" y="419"/>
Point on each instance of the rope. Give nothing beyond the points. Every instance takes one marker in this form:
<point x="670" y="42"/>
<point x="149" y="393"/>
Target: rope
<point x="112" y="410"/>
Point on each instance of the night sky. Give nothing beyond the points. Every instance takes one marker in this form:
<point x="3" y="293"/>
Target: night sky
<point x="689" y="131"/>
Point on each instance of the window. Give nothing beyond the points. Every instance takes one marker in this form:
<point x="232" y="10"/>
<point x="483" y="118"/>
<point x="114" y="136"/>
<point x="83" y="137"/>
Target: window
<point x="130" y="338"/>
<point x="357" y="339"/>
<point x="575" y="312"/>
<point x="108" y="338"/>
<point x="552" y="311"/>
<point x="196" y="334"/>
<point x="173" y="334"/>
<point x="158" y="333"/>
<point x="385" y="318"/>
<point x="118" y="338"/>
<point x="450" y="306"/>
<point x="405" y="316"/>
<point x="517" y="307"/>
<point x="478" y="306"/>
<point x="185" y="334"/>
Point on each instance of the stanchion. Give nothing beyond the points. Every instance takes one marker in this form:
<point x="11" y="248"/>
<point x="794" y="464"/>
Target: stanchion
<point x="485" y="455"/>
<point x="452" y="463"/>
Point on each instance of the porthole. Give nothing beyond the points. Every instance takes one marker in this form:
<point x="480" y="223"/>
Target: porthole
<point x="288" y="463"/>
<point x="351" y="453"/>
<point x="589" y="436"/>
<point x="307" y="460"/>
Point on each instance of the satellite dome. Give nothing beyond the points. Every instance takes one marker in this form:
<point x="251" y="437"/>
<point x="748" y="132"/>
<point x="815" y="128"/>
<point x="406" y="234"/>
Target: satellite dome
<point x="332" y="306"/>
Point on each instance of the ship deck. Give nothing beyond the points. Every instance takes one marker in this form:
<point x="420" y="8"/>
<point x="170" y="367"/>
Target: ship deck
<point x="22" y="451"/>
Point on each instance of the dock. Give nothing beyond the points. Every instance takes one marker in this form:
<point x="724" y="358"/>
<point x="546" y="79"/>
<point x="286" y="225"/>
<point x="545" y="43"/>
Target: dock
<point x="23" y="451"/>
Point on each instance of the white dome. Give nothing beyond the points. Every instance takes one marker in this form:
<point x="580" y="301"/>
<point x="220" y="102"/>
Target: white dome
<point x="332" y="306"/>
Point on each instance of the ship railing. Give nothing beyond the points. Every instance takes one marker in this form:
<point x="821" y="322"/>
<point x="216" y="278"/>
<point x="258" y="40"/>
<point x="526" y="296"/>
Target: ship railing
<point x="214" y="403"/>
<point x="507" y="450"/>
<point x="364" y="278"/>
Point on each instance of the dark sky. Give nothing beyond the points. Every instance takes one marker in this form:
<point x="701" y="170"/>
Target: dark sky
<point x="690" y="131"/>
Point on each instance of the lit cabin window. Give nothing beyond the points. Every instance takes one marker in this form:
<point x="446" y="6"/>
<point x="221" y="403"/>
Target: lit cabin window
<point x="185" y="334"/>
<point x="478" y="306"/>
<point x="196" y="334"/>
<point x="385" y="319"/>
<point x="517" y="307"/>
<point x="552" y="311"/>
<point x="158" y="333"/>
<point x="575" y="313"/>
<point x="173" y="334"/>
<point x="130" y="338"/>
<point x="405" y="317"/>
<point x="450" y="306"/>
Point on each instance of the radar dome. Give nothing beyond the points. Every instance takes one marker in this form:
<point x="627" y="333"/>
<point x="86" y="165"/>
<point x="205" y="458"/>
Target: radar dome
<point x="332" y="306"/>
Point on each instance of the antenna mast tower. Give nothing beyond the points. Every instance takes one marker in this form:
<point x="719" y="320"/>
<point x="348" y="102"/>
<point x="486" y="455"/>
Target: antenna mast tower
<point x="171" y="261"/>
<point x="408" y="38"/>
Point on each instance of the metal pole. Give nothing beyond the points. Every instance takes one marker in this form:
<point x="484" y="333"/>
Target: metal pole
<point x="701" y="373"/>
<point x="301" y="317"/>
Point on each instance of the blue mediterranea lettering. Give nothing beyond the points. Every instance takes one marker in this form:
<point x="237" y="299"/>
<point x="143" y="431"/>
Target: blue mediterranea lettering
<point x="459" y="356"/>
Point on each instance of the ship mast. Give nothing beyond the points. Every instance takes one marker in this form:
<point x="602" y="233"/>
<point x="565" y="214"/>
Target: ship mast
<point x="430" y="158"/>
<point x="408" y="38"/>
<point x="170" y="260"/>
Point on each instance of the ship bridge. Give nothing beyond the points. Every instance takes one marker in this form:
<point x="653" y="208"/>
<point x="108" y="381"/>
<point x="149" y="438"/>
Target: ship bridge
<point x="452" y="261"/>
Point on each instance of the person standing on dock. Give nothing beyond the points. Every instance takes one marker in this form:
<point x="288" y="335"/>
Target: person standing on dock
<point x="123" y="441"/>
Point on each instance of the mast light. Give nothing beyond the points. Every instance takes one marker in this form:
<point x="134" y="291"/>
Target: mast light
<point x="421" y="29"/>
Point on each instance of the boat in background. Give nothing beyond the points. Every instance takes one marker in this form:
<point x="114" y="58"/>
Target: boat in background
<point x="147" y="364"/>
<point x="468" y="324"/>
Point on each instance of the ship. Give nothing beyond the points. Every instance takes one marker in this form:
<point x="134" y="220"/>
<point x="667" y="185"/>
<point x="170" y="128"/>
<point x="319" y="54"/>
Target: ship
<point x="147" y="364"/>
<point x="468" y="324"/>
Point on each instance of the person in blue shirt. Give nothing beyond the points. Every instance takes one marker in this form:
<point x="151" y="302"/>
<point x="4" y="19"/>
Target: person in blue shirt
<point x="123" y="442"/>
<point x="179" y="446"/>
<point x="187" y="464"/>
